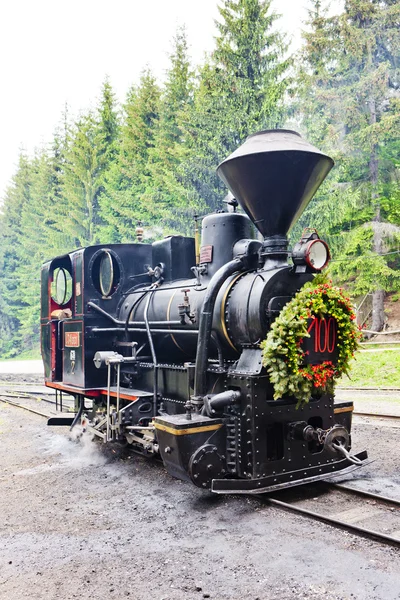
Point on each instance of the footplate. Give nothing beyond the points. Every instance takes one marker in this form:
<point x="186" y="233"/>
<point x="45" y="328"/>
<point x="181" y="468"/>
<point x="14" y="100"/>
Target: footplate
<point x="287" y="479"/>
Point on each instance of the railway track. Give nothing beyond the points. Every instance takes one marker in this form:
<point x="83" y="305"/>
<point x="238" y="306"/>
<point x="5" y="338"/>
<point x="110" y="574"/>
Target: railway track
<point x="12" y="397"/>
<point x="49" y="397"/>
<point x="376" y="415"/>
<point x="24" y="407"/>
<point x="378" y="517"/>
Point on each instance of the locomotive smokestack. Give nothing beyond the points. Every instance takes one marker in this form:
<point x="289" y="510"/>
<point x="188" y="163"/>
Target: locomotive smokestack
<point x="273" y="175"/>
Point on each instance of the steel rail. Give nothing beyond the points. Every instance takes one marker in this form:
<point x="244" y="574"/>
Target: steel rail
<point x="38" y="396"/>
<point x="376" y="415"/>
<point x="368" y="533"/>
<point x="32" y="410"/>
<point x="359" y="492"/>
<point x="344" y="388"/>
<point x="17" y="383"/>
<point x="50" y="401"/>
<point x="25" y="395"/>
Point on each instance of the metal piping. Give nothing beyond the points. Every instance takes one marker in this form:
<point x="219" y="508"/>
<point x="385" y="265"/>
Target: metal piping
<point x="205" y="326"/>
<point x="104" y="313"/>
<point x="215" y="339"/>
<point x="219" y="401"/>
<point x="140" y="330"/>
<point x="120" y="323"/>
<point x="153" y="353"/>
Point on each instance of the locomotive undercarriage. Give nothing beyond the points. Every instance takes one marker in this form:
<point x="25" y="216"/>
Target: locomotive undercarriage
<point x="251" y="445"/>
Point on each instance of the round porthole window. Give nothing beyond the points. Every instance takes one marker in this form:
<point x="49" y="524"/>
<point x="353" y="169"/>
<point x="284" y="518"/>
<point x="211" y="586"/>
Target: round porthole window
<point x="105" y="273"/>
<point x="61" y="287"/>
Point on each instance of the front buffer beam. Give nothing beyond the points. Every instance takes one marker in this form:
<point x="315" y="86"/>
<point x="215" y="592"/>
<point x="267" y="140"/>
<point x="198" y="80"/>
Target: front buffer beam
<point x="287" y="479"/>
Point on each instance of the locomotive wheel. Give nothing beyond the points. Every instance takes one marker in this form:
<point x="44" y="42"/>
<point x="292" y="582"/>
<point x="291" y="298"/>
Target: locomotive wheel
<point x="205" y="465"/>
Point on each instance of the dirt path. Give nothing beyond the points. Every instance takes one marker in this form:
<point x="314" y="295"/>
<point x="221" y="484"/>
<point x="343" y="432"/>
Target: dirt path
<point x="80" y="523"/>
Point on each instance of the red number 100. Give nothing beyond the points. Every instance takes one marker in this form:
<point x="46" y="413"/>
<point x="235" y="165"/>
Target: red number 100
<point x="323" y="331"/>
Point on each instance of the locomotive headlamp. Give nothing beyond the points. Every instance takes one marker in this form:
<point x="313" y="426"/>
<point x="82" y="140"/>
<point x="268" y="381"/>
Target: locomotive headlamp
<point x="317" y="254"/>
<point x="311" y="252"/>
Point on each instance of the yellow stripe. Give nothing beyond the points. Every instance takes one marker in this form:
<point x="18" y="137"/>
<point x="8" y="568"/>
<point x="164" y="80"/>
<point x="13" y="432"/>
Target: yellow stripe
<point x="223" y="303"/>
<point x="187" y="431"/>
<point x="342" y="410"/>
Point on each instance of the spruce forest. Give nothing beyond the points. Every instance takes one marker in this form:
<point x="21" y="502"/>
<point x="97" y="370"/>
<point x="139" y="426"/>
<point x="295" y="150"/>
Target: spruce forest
<point x="153" y="158"/>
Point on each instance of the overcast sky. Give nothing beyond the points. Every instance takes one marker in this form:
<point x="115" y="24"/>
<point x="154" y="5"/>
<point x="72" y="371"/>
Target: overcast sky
<point x="54" y="52"/>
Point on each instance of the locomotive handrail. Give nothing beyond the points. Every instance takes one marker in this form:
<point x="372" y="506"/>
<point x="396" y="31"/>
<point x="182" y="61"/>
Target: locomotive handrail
<point x="152" y="351"/>
<point x="104" y="313"/>
<point x="141" y="330"/>
<point x="132" y="323"/>
<point x="59" y="336"/>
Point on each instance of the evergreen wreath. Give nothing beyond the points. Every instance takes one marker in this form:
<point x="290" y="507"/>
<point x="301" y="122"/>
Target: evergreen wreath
<point x="282" y="351"/>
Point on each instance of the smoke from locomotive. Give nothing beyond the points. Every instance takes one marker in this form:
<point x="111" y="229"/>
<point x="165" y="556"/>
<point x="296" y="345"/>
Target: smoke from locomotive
<point x="165" y="340"/>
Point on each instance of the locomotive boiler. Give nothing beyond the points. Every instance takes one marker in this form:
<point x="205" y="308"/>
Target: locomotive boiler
<point x="160" y="343"/>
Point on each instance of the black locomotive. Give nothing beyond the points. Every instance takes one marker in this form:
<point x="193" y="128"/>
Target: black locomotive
<point x="164" y="338"/>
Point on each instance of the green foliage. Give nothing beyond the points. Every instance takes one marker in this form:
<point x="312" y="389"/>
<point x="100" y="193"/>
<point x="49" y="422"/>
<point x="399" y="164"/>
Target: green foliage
<point x="249" y="65"/>
<point x="50" y="208"/>
<point x="125" y="199"/>
<point x="241" y="90"/>
<point x="283" y="356"/>
<point x="371" y="369"/>
<point x="91" y="150"/>
<point x="154" y="159"/>
<point x="347" y="84"/>
<point x="17" y="196"/>
<point x="38" y="223"/>
<point x="164" y="186"/>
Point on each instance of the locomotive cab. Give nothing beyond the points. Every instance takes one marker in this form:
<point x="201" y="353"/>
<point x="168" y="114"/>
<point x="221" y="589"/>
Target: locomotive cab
<point x="165" y="339"/>
<point x="70" y="284"/>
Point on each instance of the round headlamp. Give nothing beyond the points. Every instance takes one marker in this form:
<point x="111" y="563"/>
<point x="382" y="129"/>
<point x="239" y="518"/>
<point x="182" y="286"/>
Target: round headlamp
<point x="317" y="254"/>
<point x="310" y="253"/>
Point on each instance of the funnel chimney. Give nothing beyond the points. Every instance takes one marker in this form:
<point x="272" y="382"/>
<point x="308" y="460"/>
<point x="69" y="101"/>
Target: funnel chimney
<point x="273" y="175"/>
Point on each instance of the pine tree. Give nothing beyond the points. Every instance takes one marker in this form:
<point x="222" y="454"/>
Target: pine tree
<point x="17" y="197"/>
<point x="82" y="180"/>
<point x="249" y="64"/>
<point x="39" y="242"/>
<point x="52" y="166"/>
<point x="351" y="106"/>
<point x="109" y="130"/>
<point x="165" y="156"/>
<point x="90" y="151"/>
<point x="126" y="199"/>
<point x="108" y="120"/>
<point x="241" y="90"/>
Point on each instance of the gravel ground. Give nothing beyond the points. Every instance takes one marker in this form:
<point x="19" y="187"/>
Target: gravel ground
<point x="81" y="522"/>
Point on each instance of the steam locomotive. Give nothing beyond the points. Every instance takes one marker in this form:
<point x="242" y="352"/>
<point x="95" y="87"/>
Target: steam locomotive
<point x="160" y="343"/>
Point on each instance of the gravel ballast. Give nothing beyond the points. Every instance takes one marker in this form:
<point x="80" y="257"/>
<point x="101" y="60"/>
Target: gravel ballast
<point x="79" y="521"/>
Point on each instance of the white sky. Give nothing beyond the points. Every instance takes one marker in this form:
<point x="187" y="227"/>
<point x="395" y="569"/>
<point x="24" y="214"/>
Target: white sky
<point x="54" y="52"/>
